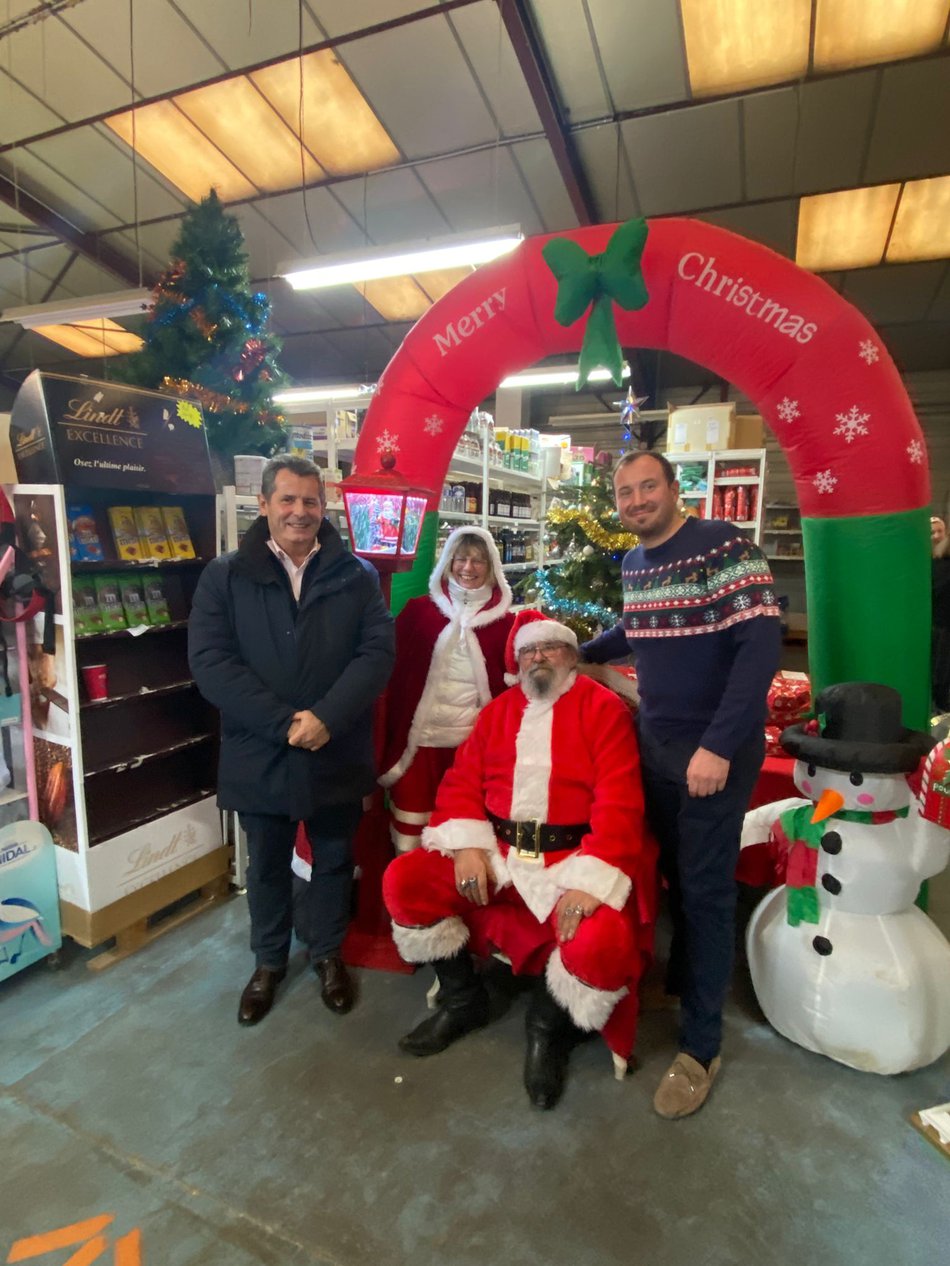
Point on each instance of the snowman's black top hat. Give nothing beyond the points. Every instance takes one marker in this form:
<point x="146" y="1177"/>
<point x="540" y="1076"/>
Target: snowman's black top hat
<point x="858" y="729"/>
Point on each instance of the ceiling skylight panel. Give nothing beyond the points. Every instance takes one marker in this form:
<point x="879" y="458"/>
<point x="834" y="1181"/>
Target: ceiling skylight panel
<point x="733" y="45"/>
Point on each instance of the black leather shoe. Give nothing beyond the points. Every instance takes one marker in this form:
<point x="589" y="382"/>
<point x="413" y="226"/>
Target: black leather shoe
<point x="545" y="1068"/>
<point x="551" y="1037"/>
<point x="337" y="989"/>
<point x="259" y="992"/>
<point x="449" y="1023"/>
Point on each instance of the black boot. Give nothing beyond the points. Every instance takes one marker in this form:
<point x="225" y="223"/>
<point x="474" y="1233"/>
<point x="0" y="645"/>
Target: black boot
<point x="551" y="1036"/>
<point x="463" y="1007"/>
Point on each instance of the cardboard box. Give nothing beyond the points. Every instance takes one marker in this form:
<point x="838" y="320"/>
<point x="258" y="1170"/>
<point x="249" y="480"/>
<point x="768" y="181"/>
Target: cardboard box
<point x="701" y="428"/>
<point x="748" y="431"/>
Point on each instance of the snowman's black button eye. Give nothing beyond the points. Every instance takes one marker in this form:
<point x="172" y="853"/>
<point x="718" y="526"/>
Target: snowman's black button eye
<point x="812" y="771"/>
<point x="821" y="945"/>
<point x="857" y="780"/>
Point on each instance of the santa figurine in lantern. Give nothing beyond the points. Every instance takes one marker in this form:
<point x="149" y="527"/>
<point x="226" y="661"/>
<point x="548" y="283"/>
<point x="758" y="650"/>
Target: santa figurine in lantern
<point x="386" y="526"/>
<point x="842" y="960"/>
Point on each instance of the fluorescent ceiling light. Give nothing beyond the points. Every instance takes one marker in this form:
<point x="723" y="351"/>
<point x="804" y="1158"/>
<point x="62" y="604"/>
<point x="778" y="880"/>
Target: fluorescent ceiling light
<point x="243" y="134"/>
<point x="845" y="230"/>
<point x="94" y="337"/>
<point x="733" y="45"/>
<point x="556" y="375"/>
<point x="397" y="261"/>
<point x="68" y="311"/>
<point x="299" y="399"/>
<point x="865" y="32"/>
<point x="922" y="224"/>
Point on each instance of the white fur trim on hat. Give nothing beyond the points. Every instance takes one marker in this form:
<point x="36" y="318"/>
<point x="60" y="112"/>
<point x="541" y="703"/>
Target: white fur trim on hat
<point x="423" y="945"/>
<point x="544" y="631"/>
<point x="589" y="1008"/>
<point x="441" y="571"/>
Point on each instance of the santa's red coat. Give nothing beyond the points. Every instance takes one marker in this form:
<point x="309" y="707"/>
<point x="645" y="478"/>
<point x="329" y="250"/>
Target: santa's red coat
<point x="564" y="762"/>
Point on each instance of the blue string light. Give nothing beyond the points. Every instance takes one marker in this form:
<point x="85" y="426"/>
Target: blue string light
<point x="569" y="606"/>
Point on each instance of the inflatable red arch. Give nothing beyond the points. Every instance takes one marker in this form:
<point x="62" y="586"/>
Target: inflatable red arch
<point x="812" y="364"/>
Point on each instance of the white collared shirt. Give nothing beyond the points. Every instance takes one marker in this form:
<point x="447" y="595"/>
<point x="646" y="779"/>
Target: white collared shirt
<point x="290" y="567"/>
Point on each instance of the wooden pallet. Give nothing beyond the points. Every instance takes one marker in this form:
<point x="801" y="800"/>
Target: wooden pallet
<point x="145" y="915"/>
<point x="930" y="1134"/>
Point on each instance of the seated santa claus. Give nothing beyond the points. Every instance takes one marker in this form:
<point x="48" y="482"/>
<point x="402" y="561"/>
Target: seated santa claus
<point x="536" y="849"/>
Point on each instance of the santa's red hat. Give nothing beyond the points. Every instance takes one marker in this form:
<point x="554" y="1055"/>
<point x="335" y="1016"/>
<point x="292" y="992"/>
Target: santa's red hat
<point x="530" y="627"/>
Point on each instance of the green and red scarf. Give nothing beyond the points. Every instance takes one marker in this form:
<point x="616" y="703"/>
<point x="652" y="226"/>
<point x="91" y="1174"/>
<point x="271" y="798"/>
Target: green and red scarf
<point x="802" y="837"/>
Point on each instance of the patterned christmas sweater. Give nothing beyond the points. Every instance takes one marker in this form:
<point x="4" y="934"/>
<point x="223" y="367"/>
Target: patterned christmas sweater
<point x="701" y="617"/>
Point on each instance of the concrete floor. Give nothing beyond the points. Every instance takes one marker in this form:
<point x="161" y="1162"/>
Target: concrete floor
<point x="312" y="1139"/>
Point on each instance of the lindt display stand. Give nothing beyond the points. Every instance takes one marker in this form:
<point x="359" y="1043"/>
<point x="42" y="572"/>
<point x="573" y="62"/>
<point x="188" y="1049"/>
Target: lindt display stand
<point x="125" y="782"/>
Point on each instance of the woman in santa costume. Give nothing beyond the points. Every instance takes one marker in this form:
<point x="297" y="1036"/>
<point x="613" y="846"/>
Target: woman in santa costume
<point x="450" y="661"/>
<point x="536" y="848"/>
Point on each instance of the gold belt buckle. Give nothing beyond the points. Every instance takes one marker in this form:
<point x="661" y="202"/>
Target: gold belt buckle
<point x="532" y="853"/>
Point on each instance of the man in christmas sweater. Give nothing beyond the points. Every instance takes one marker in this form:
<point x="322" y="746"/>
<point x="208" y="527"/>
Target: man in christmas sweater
<point x="701" y="617"/>
<point x="536" y="848"/>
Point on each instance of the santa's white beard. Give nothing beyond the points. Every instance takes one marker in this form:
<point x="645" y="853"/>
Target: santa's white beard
<point x="542" y="680"/>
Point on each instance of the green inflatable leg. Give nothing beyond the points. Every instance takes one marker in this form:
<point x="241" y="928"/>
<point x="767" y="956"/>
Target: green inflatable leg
<point x="867" y="582"/>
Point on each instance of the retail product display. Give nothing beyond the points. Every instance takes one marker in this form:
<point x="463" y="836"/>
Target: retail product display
<point x="842" y="961"/>
<point x="151" y="530"/>
<point x="84" y="543"/>
<point x="782" y="531"/>
<point x="125" y="744"/>
<point x="724" y="485"/>
<point x="125" y="533"/>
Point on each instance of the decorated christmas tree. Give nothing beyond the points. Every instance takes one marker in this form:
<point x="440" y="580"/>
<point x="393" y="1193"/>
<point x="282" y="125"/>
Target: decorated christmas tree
<point x="585" y="545"/>
<point x="207" y="336"/>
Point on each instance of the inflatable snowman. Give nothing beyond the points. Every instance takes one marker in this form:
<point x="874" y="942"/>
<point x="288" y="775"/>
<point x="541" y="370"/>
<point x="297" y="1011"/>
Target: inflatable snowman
<point x="842" y="961"/>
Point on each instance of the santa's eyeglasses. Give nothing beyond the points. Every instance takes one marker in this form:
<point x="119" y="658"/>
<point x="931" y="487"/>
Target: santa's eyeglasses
<point x="540" y="648"/>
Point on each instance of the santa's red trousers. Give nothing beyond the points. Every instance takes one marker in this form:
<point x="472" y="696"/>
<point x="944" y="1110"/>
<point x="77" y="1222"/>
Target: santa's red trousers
<point x="608" y="952"/>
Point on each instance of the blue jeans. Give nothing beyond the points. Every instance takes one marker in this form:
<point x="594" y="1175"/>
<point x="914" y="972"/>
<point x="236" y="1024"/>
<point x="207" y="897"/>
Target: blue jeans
<point x="325" y="908"/>
<point x="699" y="849"/>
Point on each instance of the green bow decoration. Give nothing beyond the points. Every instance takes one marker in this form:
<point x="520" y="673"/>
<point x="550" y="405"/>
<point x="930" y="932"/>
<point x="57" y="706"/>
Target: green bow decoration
<point x="601" y="280"/>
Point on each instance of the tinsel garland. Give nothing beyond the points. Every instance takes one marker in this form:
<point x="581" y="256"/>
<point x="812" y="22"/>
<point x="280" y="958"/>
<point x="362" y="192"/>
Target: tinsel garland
<point x="570" y="606"/>
<point x="215" y="402"/>
<point x="594" y="531"/>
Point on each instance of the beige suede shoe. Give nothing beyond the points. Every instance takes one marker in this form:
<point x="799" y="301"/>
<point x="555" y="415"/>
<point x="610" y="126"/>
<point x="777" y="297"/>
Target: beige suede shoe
<point x="684" y="1087"/>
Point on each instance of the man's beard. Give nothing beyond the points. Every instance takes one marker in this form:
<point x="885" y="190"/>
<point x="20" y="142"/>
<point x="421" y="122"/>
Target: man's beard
<point x="542" y="680"/>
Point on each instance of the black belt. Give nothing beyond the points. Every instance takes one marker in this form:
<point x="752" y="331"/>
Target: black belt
<point x="531" y="839"/>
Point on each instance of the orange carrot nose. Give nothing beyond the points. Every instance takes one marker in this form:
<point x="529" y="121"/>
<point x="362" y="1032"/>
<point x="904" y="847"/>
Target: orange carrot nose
<point x="830" y="802"/>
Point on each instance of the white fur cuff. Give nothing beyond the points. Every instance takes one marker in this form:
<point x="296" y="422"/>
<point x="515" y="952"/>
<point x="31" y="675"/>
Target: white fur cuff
<point x="589" y="1008"/>
<point x="597" y="877"/>
<point x="424" y="945"/>
<point x="448" y="837"/>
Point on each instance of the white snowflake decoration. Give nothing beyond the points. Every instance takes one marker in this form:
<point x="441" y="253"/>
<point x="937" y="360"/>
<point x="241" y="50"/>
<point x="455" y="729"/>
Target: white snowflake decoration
<point x="386" y="443"/>
<point x="768" y="598"/>
<point x="825" y="481"/>
<point x="433" y="424"/>
<point x="654" y="621"/>
<point x="788" y="410"/>
<point x="868" y="351"/>
<point x="709" y="617"/>
<point x="852" y="424"/>
<point x="742" y="602"/>
<point x="915" y="451"/>
<point x="677" y="620"/>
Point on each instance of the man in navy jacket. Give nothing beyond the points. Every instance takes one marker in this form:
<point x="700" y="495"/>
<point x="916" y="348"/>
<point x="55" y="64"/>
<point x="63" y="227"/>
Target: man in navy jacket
<point x="291" y="640"/>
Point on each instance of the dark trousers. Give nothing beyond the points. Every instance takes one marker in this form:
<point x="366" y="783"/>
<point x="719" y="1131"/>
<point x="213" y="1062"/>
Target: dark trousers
<point x="699" y="849"/>
<point x="323" y="912"/>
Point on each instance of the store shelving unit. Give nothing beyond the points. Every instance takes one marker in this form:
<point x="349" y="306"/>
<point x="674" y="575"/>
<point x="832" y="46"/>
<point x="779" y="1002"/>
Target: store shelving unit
<point x="126" y="784"/>
<point x="782" y="532"/>
<point x="713" y="481"/>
